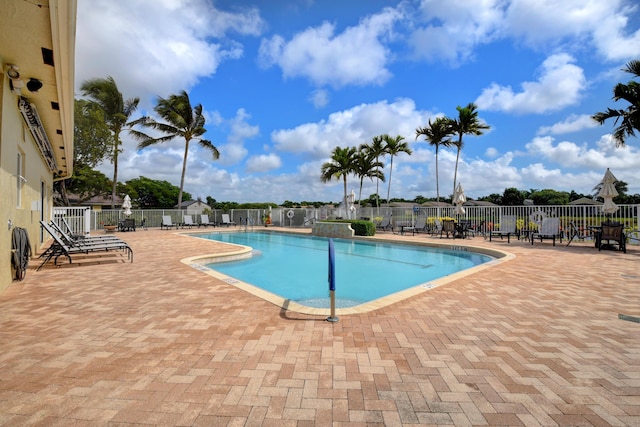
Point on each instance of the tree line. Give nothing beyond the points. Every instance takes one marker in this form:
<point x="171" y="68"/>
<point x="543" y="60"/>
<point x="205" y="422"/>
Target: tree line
<point x="365" y="160"/>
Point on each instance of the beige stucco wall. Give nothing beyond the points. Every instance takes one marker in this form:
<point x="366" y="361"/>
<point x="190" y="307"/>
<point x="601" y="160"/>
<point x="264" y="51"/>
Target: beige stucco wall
<point x="27" y="29"/>
<point x="14" y="136"/>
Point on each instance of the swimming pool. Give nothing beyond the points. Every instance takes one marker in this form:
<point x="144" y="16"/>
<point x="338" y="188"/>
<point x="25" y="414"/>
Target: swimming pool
<point x="295" y="267"/>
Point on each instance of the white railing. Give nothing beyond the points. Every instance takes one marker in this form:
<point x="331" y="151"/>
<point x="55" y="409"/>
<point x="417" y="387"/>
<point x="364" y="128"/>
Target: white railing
<point x="77" y="218"/>
<point x="481" y="218"/>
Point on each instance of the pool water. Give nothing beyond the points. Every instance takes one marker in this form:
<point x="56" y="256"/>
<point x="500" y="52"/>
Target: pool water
<point x="296" y="267"/>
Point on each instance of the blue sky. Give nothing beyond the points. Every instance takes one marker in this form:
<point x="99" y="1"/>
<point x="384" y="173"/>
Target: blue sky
<point x="283" y="83"/>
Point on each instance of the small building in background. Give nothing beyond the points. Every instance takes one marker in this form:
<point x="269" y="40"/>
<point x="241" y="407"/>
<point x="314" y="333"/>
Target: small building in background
<point x="192" y="207"/>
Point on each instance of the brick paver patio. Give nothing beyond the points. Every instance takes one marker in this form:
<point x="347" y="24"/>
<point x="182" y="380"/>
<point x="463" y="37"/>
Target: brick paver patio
<point x="534" y="341"/>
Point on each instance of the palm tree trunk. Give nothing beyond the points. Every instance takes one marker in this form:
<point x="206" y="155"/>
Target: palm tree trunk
<point x="437" y="179"/>
<point x="455" y="173"/>
<point x="63" y="193"/>
<point x="115" y="170"/>
<point x="377" y="189"/>
<point x="389" y="187"/>
<point x="184" y="170"/>
<point x="346" y="208"/>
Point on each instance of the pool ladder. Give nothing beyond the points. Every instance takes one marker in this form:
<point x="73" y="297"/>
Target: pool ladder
<point x="248" y="224"/>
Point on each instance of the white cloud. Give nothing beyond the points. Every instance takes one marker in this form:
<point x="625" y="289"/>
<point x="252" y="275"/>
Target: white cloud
<point x="263" y="163"/>
<point x="558" y="86"/>
<point x="491" y="152"/>
<point x="352" y="127"/>
<point x="573" y="123"/>
<point x="551" y="22"/>
<point x="357" y="56"/>
<point x="570" y="155"/>
<point x="610" y="38"/>
<point x="156" y="48"/>
<point x="319" y="98"/>
<point x="239" y="131"/>
<point x="452" y="29"/>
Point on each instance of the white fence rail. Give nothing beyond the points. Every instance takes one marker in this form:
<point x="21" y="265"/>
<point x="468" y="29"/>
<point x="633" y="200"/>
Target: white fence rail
<point x="482" y="218"/>
<point x="77" y="219"/>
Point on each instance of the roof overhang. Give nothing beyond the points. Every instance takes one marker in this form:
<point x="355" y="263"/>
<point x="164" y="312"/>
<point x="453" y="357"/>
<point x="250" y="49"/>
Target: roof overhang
<point x="38" y="38"/>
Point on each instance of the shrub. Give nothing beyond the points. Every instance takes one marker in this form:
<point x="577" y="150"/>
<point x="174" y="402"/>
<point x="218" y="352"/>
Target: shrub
<point x="360" y="227"/>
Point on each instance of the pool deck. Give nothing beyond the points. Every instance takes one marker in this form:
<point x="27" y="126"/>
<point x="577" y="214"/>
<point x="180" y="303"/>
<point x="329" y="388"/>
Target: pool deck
<point x="537" y="340"/>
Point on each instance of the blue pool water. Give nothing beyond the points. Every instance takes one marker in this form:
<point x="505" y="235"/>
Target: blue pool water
<point x="296" y="267"/>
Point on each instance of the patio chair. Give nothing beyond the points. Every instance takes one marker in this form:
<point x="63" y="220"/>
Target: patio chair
<point x="226" y="220"/>
<point x="612" y="233"/>
<point x="166" y="222"/>
<point x="385" y="224"/>
<point x="549" y="229"/>
<point x="507" y="228"/>
<point x="127" y="224"/>
<point x="576" y="233"/>
<point x="204" y="221"/>
<point x="68" y="238"/>
<point x="463" y="229"/>
<point x="474" y="229"/>
<point x="187" y="221"/>
<point x="436" y="229"/>
<point x="420" y="226"/>
<point x="73" y="239"/>
<point x="60" y="247"/>
<point x="62" y="223"/>
<point x="448" y="227"/>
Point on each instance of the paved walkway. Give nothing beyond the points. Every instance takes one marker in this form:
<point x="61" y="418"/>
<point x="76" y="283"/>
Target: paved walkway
<point x="534" y="341"/>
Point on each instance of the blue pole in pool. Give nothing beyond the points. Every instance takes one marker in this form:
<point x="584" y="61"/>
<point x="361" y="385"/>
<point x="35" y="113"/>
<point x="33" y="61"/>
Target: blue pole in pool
<point x="332" y="282"/>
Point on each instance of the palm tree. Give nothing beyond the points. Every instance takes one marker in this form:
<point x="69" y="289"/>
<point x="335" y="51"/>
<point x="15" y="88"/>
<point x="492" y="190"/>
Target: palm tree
<point x="377" y="149"/>
<point x="467" y="123"/>
<point x="437" y="134"/>
<point x="394" y="146"/>
<point x="629" y="117"/>
<point x="366" y="166"/>
<point x="341" y="164"/>
<point x="181" y="120"/>
<point x="117" y="111"/>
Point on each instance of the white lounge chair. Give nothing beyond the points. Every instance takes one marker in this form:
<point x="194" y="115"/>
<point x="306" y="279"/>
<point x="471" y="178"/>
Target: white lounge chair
<point x="507" y="228"/>
<point x="187" y="221"/>
<point x="204" y="221"/>
<point x="227" y="221"/>
<point x="549" y="229"/>
<point x="167" y="223"/>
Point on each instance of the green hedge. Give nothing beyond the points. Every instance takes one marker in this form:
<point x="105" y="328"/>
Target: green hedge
<point x="360" y="227"/>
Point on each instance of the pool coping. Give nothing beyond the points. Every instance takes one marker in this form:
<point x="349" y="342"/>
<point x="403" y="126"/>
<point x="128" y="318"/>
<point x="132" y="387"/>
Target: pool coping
<point x="242" y="252"/>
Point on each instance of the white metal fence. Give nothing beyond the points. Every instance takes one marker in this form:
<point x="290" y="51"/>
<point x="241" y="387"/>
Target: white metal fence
<point x="481" y="218"/>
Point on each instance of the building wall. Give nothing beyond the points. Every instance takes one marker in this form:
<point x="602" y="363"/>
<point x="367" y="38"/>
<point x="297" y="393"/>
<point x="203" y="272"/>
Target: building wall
<point x="24" y="210"/>
<point x="38" y="41"/>
<point x="196" y="208"/>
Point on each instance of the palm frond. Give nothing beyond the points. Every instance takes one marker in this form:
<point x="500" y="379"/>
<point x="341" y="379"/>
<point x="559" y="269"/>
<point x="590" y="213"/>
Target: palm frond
<point x="209" y="146"/>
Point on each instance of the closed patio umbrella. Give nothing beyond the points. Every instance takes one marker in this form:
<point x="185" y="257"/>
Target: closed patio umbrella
<point x="458" y="200"/>
<point x="608" y="192"/>
<point x="126" y="205"/>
